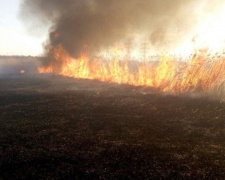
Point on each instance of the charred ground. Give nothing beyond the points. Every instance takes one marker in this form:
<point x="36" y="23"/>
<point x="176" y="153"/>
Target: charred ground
<point x="56" y="127"/>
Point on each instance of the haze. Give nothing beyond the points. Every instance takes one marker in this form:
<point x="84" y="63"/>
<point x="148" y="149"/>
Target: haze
<point x="14" y="37"/>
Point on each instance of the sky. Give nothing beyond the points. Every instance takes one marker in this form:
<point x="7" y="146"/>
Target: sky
<point x="15" y="39"/>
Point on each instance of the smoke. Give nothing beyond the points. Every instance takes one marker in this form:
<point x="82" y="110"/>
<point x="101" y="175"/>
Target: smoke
<point x="100" y="23"/>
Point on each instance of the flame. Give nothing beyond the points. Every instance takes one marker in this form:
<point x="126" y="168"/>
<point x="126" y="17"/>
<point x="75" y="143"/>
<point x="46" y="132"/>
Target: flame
<point x="198" y="74"/>
<point x="43" y="69"/>
<point x="202" y="72"/>
<point x="22" y="71"/>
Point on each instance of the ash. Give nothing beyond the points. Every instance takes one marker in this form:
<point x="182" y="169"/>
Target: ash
<point x="62" y="128"/>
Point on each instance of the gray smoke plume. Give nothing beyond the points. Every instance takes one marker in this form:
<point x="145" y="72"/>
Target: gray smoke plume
<point x="101" y="23"/>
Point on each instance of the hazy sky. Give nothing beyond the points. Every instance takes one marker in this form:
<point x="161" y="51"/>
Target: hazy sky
<point x="14" y="38"/>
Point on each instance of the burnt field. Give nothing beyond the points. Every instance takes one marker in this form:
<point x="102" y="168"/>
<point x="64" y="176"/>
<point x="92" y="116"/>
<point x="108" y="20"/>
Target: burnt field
<point x="56" y="127"/>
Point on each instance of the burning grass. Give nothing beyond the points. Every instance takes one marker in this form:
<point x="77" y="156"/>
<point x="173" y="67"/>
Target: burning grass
<point x="56" y="127"/>
<point x="201" y="73"/>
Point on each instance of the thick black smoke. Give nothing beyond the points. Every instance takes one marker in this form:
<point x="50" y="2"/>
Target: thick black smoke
<point x="101" y="23"/>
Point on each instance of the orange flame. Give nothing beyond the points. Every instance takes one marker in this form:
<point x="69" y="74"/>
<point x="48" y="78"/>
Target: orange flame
<point x="201" y="73"/>
<point x="22" y="71"/>
<point x="169" y="75"/>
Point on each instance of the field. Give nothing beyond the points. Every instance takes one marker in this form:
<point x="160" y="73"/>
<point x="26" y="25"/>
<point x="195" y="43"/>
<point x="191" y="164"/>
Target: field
<point x="56" y="127"/>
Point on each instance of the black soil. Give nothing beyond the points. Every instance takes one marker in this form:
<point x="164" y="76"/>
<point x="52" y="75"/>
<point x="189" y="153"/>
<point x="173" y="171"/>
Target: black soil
<point x="53" y="127"/>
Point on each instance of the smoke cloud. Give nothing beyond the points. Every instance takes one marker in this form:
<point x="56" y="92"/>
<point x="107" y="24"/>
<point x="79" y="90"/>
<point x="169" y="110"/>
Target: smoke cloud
<point x="101" y="23"/>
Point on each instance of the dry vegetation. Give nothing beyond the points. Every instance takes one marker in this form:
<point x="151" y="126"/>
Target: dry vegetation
<point x="56" y="127"/>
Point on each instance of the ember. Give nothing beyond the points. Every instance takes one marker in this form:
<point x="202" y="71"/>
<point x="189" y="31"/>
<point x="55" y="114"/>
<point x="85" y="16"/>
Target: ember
<point x="22" y="71"/>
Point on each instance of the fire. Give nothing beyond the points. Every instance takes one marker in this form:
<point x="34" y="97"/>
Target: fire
<point x="198" y="74"/>
<point x="22" y="71"/>
<point x="203" y="72"/>
<point x="48" y="69"/>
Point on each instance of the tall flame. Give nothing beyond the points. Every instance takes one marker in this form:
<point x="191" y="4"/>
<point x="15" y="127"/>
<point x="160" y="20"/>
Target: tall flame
<point x="202" y="72"/>
<point x="198" y="74"/>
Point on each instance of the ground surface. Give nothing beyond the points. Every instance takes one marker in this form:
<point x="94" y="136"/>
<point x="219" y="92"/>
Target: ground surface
<point x="56" y="127"/>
